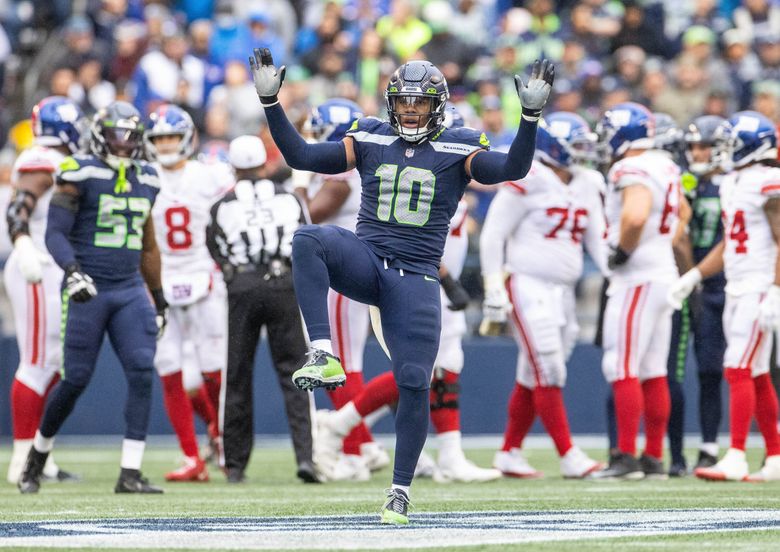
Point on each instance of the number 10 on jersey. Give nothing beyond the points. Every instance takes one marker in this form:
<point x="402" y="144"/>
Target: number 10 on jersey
<point x="406" y="196"/>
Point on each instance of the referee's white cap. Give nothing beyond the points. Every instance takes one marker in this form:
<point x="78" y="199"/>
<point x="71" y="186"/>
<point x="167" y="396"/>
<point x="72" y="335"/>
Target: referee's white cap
<point x="247" y="152"/>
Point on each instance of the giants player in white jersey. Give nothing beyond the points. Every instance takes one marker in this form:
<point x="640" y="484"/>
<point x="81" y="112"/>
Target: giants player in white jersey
<point x="335" y="199"/>
<point x="750" y="202"/>
<point x="542" y="222"/>
<point x="32" y="278"/>
<point x="192" y="353"/>
<point x="642" y="206"/>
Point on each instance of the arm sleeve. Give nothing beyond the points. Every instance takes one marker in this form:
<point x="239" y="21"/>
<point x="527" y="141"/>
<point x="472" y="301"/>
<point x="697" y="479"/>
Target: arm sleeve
<point x="492" y="167"/>
<point x="58" y="227"/>
<point x="506" y="211"/>
<point x="325" y="157"/>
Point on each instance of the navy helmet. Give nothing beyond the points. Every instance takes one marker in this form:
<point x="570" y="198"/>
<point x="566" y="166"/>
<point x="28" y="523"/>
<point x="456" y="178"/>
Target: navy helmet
<point x="710" y="131"/>
<point x="57" y="121"/>
<point x="413" y="83"/>
<point x="331" y="120"/>
<point x="753" y="138"/>
<point x="626" y="126"/>
<point x="668" y="136"/>
<point x="117" y="134"/>
<point x="170" y="120"/>
<point x="564" y="139"/>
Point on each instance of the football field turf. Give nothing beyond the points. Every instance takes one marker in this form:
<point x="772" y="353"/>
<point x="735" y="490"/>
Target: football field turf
<point x="272" y="510"/>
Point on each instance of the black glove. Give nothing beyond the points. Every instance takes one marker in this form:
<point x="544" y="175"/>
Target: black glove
<point x="459" y="298"/>
<point x="228" y="272"/>
<point x="617" y="258"/>
<point x="80" y="287"/>
<point x="161" y="306"/>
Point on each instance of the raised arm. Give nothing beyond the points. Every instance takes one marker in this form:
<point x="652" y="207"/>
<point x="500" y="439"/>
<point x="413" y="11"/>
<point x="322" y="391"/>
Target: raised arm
<point x="325" y="157"/>
<point x="492" y="167"/>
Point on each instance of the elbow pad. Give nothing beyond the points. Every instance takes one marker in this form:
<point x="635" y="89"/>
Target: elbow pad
<point x="18" y="213"/>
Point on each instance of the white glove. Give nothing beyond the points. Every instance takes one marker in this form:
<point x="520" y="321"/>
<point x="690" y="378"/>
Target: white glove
<point x="682" y="288"/>
<point x="29" y="259"/>
<point x="496" y="304"/>
<point x="268" y="80"/>
<point x="534" y="95"/>
<point x="80" y="287"/>
<point x="769" y="310"/>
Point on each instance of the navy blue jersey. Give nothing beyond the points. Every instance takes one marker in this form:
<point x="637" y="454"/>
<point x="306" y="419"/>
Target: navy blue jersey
<point x="706" y="228"/>
<point x="107" y="236"/>
<point x="410" y="191"/>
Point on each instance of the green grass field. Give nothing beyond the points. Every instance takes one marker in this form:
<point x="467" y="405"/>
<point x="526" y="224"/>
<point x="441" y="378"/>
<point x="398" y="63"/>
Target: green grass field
<point x="273" y="491"/>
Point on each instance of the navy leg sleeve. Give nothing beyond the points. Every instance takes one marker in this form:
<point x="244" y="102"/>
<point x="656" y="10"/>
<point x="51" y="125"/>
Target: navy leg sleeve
<point x="59" y="406"/>
<point x="611" y="421"/>
<point x="678" y="352"/>
<point x="709" y="347"/>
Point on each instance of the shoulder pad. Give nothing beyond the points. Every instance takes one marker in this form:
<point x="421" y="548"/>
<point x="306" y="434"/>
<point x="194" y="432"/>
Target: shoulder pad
<point x="373" y="130"/>
<point x="69" y="164"/>
<point x="462" y="141"/>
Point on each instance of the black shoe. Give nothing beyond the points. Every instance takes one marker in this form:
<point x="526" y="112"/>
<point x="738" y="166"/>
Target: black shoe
<point x="621" y="467"/>
<point x="307" y="473"/>
<point x="131" y="481"/>
<point x="235" y="475"/>
<point x="62" y="477"/>
<point x="30" y="481"/>
<point x="678" y="469"/>
<point x="652" y="467"/>
<point x="706" y="460"/>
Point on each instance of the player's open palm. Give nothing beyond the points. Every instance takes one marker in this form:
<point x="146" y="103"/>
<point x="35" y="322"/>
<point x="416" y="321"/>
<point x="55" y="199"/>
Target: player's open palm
<point x="534" y="94"/>
<point x="268" y="79"/>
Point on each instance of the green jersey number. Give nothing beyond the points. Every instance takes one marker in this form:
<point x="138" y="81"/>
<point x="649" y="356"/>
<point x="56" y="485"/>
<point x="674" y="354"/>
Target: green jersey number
<point x="117" y="223"/>
<point x="707" y="212"/>
<point x="407" y="196"/>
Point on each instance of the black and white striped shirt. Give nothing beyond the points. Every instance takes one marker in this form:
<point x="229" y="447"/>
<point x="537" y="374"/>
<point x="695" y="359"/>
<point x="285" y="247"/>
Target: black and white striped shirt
<point x="253" y="224"/>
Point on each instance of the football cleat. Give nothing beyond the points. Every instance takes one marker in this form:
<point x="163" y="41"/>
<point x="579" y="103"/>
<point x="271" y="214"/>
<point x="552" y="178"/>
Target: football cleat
<point x="394" y="512"/>
<point x="706" y="460"/>
<point x="322" y="370"/>
<point x="622" y="467"/>
<point x="770" y="471"/>
<point x="30" y="481"/>
<point x="732" y="467"/>
<point x="456" y="467"/>
<point x="575" y="464"/>
<point x="193" y="469"/>
<point x="131" y="481"/>
<point x="62" y="476"/>
<point x="514" y="464"/>
<point x="348" y="467"/>
<point x="426" y="466"/>
<point x="375" y="455"/>
<point x="678" y="469"/>
<point x="235" y="475"/>
<point x="307" y="473"/>
<point x="653" y="468"/>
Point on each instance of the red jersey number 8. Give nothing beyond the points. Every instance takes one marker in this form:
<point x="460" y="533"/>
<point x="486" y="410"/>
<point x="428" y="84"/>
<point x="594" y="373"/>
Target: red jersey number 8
<point x="179" y="236"/>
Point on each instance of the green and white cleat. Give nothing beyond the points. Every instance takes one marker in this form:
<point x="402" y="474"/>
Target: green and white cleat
<point x="395" y="508"/>
<point x="322" y="370"/>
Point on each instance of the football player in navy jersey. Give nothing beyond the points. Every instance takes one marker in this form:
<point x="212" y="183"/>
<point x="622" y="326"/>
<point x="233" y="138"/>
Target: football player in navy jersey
<point x="100" y="233"/>
<point x="413" y="171"/>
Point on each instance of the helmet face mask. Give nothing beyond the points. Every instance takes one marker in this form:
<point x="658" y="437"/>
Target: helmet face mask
<point x="416" y="97"/>
<point x="169" y="121"/>
<point x="707" y="145"/>
<point x="116" y="135"/>
<point x="564" y="140"/>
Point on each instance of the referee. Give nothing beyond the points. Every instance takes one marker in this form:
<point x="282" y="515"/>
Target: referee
<point x="250" y="237"/>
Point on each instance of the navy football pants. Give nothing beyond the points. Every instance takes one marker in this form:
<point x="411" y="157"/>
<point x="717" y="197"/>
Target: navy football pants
<point x="709" y="344"/>
<point x="329" y="256"/>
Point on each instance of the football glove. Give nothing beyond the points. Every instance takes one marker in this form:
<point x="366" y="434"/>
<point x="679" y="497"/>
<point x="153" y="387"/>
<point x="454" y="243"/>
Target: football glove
<point x="458" y="296"/>
<point x="268" y="79"/>
<point x="496" y="304"/>
<point x="769" y="310"/>
<point x="28" y="258"/>
<point x="682" y="288"/>
<point x="80" y="287"/>
<point x="534" y="95"/>
<point x="161" y="306"/>
<point x="617" y="257"/>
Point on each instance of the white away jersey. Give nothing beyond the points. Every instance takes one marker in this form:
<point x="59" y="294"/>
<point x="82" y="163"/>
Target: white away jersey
<point x="181" y="214"/>
<point x="38" y="158"/>
<point x="653" y="259"/>
<point x="457" y="244"/>
<point x="751" y="251"/>
<point x="346" y="217"/>
<point x="545" y="223"/>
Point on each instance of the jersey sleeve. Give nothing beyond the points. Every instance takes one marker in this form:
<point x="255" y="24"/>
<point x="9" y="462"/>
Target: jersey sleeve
<point x="770" y="186"/>
<point x="148" y="176"/>
<point x="505" y="213"/>
<point x="366" y="131"/>
<point x="72" y="171"/>
<point x="33" y="160"/>
<point x="622" y="175"/>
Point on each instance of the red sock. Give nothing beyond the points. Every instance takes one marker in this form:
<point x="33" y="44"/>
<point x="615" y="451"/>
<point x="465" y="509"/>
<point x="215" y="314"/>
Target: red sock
<point x="212" y="381"/>
<point x="520" y="417"/>
<point x="445" y="411"/>
<point x="341" y="396"/>
<point x="658" y="406"/>
<point x="26" y="410"/>
<point x="742" y="404"/>
<point x="548" y="402"/>
<point x="201" y="404"/>
<point x="377" y="393"/>
<point x="766" y="413"/>
<point x="177" y="404"/>
<point x="628" y="411"/>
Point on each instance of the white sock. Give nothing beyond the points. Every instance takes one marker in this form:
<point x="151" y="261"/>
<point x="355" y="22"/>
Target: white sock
<point x="710" y="448"/>
<point x="449" y="444"/>
<point x="323" y="344"/>
<point x="404" y="488"/>
<point x="18" y="459"/>
<point x="376" y="415"/>
<point x="41" y="443"/>
<point x="346" y="418"/>
<point x="132" y="454"/>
